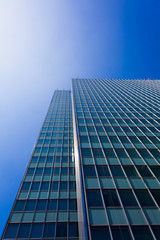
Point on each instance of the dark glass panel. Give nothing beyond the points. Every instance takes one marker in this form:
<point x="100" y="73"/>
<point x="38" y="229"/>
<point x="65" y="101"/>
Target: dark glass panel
<point x="156" y="230"/>
<point x="155" y="170"/>
<point x="47" y="171"/>
<point x="103" y="171"/>
<point x="93" y="139"/>
<point x="63" y="185"/>
<point x="19" y="206"/>
<point x="39" y="171"/>
<point x="11" y="231"/>
<point x="101" y="233"/>
<point x="109" y="152"/>
<point x="26" y="186"/>
<point x="144" y="153"/>
<point x="62" y="204"/>
<point x="30" y="205"/>
<point x="24" y="230"/>
<point x="132" y="153"/>
<point x="52" y="204"/>
<point x="121" y="153"/>
<point x="104" y="139"/>
<point x="35" y="185"/>
<point x="54" y="186"/>
<point x="110" y="198"/>
<point x="144" y="198"/>
<point x="64" y="171"/>
<point x="30" y="171"/>
<point x="61" y="229"/>
<point x="121" y="233"/>
<point x="89" y="171"/>
<point x="49" y="230"/>
<point x="44" y="186"/>
<point x="72" y="185"/>
<point x="94" y="198"/>
<point x="41" y="205"/>
<point x="84" y="139"/>
<point x="144" y="171"/>
<point x="130" y="171"/>
<point x="156" y="195"/>
<point x="142" y="232"/>
<point x="36" y="231"/>
<point x="117" y="171"/>
<point x="73" y="229"/>
<point x="97" y="152"/>
<point x="72" y="204"/>
<point x="155" y="153"/>
<point x="86" y="152"/>
<point x="127" y="198"/>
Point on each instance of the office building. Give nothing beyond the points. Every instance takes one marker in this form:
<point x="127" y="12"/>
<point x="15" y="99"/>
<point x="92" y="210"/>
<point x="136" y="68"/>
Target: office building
<point x="94" y="172"/>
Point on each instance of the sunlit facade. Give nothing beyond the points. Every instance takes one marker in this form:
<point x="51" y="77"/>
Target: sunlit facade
<point x="95" y="169"/>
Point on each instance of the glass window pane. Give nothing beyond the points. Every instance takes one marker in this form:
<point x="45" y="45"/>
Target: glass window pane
<point x="94" y="198"/>
<point x="11" y="231"/>
<point x="101" y="233"/>
<point x="140" y="233"/>
<point x="49" y="230"/>
<point x="36" y="231"/>
<point x="121" y="233"/>
<point x="110" y="198"/>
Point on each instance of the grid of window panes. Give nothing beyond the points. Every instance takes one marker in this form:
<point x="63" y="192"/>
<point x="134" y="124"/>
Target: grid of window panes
<point x="45" y="206"/>
<point x="118" y="130"/>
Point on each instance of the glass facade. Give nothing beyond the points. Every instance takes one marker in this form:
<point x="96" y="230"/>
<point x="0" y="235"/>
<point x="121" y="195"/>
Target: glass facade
<point x="95" y="170"/>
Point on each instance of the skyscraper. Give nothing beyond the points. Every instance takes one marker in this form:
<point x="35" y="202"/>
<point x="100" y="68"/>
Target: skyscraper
<point x="94" y="172"/>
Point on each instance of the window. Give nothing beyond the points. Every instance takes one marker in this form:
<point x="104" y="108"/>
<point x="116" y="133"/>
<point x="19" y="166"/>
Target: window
<point x="101" y="233"/>
<point x="24" y="230"/>
<point x="49" y="230"/>
<point x="144" y="171"/>
<point x="86" y="152"/>
<point x="128" y="198"/>
<point x="35" y="186"/>
<point x="94" y="198"/>
<point x="36" y="231"/>
<point x="30" y="205"/>
<point x="25" y="186"/>
<point x="41" y="205"/>
<point x="144" y="198"/>
<point x="110" y="198"/>
<point x="11" y="231"/>
<point x="52" y="205"/>
<point x="109" y="153"/>
<point x="140" y="233"/>
<point x="103" y="171"/>
<point x="89" y="171"/>
<point x="62" y="204"/>
<point x="44" y="186"/>
<point x="121" y="233"/>
<point x="117" y="171"/>
<point x="156" y="195"/>
<point x="130" y="171"/>
<point x="19" y="206"/>
<point x="61" y="229"/>
<point x="73" y="229"/>
<point x="97" y="152"/>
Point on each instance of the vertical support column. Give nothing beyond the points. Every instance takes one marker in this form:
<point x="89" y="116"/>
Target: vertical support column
<point x="82" y="225"/>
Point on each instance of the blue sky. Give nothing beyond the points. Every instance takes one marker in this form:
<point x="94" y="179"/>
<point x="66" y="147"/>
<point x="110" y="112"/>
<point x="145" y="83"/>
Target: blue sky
<point x="43" y="44"/>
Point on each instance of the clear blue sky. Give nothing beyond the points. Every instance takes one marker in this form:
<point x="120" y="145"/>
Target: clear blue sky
<point x="45" y="43"/>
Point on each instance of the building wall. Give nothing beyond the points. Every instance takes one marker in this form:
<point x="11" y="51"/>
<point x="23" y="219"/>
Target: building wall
<point x="46" y="205"/>
<point x="95" y="169"/>
<point x="118" y="133"/>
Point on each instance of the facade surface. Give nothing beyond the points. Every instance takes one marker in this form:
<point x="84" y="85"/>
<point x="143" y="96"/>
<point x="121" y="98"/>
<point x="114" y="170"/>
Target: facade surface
<point x="95" y="169"/>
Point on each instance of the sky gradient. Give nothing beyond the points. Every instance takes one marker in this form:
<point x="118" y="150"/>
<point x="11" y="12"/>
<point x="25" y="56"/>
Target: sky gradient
<point x="44" y="44"/>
